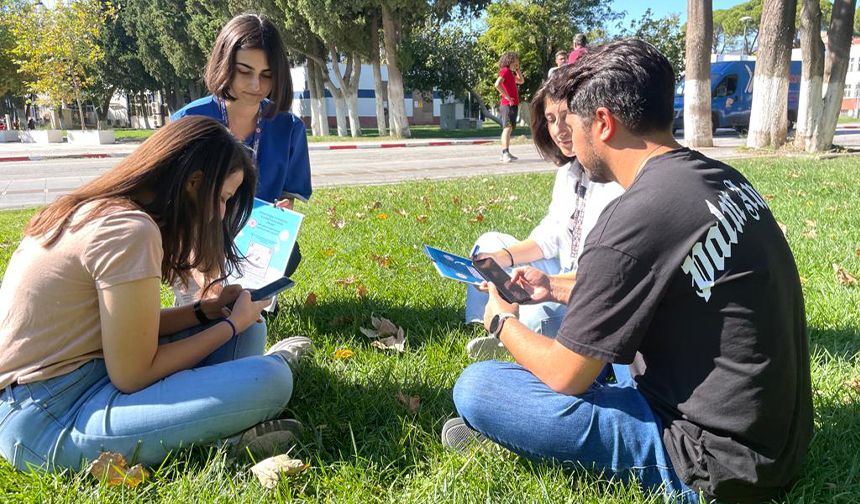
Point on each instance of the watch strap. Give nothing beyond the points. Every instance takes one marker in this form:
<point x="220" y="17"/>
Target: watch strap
<point x="198" y="312"/>
<point x="500" y="319"/>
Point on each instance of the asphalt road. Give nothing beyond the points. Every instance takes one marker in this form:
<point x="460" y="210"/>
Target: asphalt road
<point x="34" y="183"/>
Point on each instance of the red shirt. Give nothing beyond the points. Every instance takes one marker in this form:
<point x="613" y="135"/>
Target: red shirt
<point x="579" y="51"/>
<point x="509" y="83"/>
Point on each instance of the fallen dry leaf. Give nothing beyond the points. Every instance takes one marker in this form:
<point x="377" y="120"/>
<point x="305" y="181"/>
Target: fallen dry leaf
<point x="386" y="334"/>
<point x="802" y="280"/>
<point x="270" y="470"/>
<point x="330" y="211"/>
<point x="361" y="291"/>
<point x="412" y="403"/>
<point x="337" y="223"/>
<point x="857" y="252"/>
<point x="854" y="385"/>
<point x="512" y="197"/>
<point x="360" y="215"/>
<point x="401" y="212"/>
<point x="311" y="300"/>
<point x="843" y="276"/>
<point x="477" y="218"/>
<point x="783" y="227"/>
<point x="382" y="260"/>
<point x="421" y="218"/>
<point x="113" y="469"/>
<point x="343" y="354"/>
<point x="382" y="216"/>
<point x="374" y="205"/>
<point x="426" y="201"/>
<point x="328" y="251"/>
<point x="456" y="200"/>
<point x="810" y="233"/>
<point x="345" y="282"/>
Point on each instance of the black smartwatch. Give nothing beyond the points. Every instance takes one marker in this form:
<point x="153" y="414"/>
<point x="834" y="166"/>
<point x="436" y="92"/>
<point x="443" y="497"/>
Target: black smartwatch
<point x="498" y="321"/>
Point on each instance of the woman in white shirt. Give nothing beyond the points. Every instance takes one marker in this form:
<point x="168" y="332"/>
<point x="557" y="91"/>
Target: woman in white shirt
<point x="555" y="244"/>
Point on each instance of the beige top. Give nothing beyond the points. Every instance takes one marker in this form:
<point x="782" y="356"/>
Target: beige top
<point x="49" y="301"/>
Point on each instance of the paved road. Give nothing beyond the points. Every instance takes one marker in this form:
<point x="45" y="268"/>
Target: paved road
<point x="35" y="183"/>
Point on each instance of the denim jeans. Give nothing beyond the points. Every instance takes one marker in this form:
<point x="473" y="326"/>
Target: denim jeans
<point x="64" y="421"/>
<point x="609" y="429"/>
<point x="544" y="318"/>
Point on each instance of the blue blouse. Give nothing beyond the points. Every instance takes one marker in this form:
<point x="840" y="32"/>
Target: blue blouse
<point x="283" y="162"/>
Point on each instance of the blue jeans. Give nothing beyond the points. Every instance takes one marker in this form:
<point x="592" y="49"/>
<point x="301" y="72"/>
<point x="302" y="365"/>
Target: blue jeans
<point x="544" y="318"/>
<point x="64" y="421"/>
<point x="609" y="429"/>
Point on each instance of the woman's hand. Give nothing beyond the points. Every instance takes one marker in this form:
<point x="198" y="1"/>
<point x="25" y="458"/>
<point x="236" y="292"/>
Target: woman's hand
<point x="217" y="308"/>
<point x="247" y="312"/>
<point x="285" y="203"/>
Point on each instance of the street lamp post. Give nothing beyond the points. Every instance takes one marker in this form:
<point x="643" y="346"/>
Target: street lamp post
<point x="746" y="21"/>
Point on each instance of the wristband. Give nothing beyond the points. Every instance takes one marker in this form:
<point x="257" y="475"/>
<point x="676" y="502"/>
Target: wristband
<point x="232" y="326"/>
<point x="198" y="312"/>
<point x="510" y="255"/>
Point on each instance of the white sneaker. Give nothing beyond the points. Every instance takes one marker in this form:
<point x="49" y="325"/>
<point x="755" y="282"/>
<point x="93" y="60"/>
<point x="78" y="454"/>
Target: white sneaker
<point x="513" y="158"/>
<point x="266" y="439"/>
<point x="458" y="436"/>
<point x="507" y="158"/>
<point x="292" y="349"/>
<point x="486" y="348"/>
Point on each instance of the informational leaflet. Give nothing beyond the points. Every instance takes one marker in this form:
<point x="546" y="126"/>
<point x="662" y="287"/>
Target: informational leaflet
<point x="266" y="241"/>
<point x="453" y="266"/>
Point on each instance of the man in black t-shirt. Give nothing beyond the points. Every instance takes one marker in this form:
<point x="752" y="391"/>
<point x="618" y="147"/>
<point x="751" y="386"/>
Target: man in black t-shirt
<point x="688" y="279"/>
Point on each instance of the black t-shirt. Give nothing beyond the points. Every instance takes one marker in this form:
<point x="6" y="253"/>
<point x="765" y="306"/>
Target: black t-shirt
<point x="688" y="277"/>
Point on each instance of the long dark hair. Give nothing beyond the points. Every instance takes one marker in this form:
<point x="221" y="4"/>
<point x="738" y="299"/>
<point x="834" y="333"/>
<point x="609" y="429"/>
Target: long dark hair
<point x="544" y="143"/>
<point x="250" y="31"/>
<point x="154" y="178"/>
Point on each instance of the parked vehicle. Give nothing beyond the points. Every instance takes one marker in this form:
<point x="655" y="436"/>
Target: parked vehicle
<point x="731" y="95"/>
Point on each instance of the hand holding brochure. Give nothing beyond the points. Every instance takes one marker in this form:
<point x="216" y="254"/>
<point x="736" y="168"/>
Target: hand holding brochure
<point x="453" y="266"/>
<point x="266" y="241"/>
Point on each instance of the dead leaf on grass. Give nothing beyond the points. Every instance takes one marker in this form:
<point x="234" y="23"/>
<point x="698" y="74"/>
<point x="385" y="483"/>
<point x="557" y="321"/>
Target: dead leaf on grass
<point x="477" y="218"/>
<point x="337" y="223"/>
<point x="857" y="252"/>
<point x="382" y="260"/>
<point x="343" y="354"/>
<point x="412" y="403"/>
<point x="361" y="291"/>
<point x="426" y="201"/>
<point x="784" y="228"/>
<point x="382" y="216"/>
<point x="843" y="276"/>
<point x="421" y="218"/>
<point x="854" y="385"/>
<point x="401" y="212"/>
<point x="270" y="470"/>
<point x="113" y="469"/>
<point x="810" y="233"/>
<point x="386" y="335"/>
<point x="330" y="211"/>
<point x="311" y="300"/>
<point x="456" y="200"/>
<point x="374" y="205"/>
<point x="345" y="282"/>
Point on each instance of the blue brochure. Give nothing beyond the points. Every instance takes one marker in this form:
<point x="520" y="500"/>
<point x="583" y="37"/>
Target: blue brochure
<point x="266" y="241"/>
<point x="453" y="266"/>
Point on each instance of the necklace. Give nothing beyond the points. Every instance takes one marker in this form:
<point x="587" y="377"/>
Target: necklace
<point x="255" y="140"/>
<point x="646" y="159"/>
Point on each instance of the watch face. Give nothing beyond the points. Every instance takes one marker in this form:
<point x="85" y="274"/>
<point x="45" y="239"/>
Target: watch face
<point x="494" y="324"/>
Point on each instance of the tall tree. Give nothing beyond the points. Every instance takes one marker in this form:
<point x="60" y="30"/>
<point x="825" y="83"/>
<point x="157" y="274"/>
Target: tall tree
<point x="810" y="105"/>
<point x="769" y="114"/>
<point x="698" y="128"/>
<point x="391" y="27"/>
<point x="57" y="49"/>
<point x="839" y="36"/>
<point x="378" y="87"/>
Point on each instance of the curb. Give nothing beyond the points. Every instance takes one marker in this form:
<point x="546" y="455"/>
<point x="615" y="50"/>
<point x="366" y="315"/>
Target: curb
<point x="311" y="147"/>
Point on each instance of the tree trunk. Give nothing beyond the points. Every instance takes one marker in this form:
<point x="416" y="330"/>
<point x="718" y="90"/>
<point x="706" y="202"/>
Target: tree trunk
<point x="377" y="77"/>
<point x="396" y="102"/>
<point x="769" y="114"/>
<point x="350" y="90"/>
<point x="698" y="130"/>
<point x="339" y="108"/>
<point x="810" y="105"/>
<point x="839" y="41"/>
<point x="319" y="111"/>
<point x="143" y="109"/>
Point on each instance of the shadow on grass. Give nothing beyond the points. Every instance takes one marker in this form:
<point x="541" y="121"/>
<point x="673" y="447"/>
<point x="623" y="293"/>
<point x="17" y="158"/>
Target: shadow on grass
<point x="842" y="342"/>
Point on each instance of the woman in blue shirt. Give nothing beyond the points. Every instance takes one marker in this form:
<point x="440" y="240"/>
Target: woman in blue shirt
<point x="248" y="76"/>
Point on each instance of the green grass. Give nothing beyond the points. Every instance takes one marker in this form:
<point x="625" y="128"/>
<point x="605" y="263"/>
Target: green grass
<point x="848" y="119"/>
<point x="490" y="130"/>
<point x="363" y="446"/>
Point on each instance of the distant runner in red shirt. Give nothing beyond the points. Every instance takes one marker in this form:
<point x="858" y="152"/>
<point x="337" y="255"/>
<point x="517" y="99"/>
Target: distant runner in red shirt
<point x="507" y="82"/>
<point x="579" y="47"/>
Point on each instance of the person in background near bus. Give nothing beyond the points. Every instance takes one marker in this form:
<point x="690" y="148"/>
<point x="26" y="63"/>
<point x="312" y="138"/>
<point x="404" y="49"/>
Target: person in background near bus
<point x="507" y="82"/>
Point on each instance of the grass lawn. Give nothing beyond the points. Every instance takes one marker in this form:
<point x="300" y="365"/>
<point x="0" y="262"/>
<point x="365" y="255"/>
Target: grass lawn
<point x="848" y="119"/>
<point x="490" y="130"/>
<point x="364" y="446"/>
